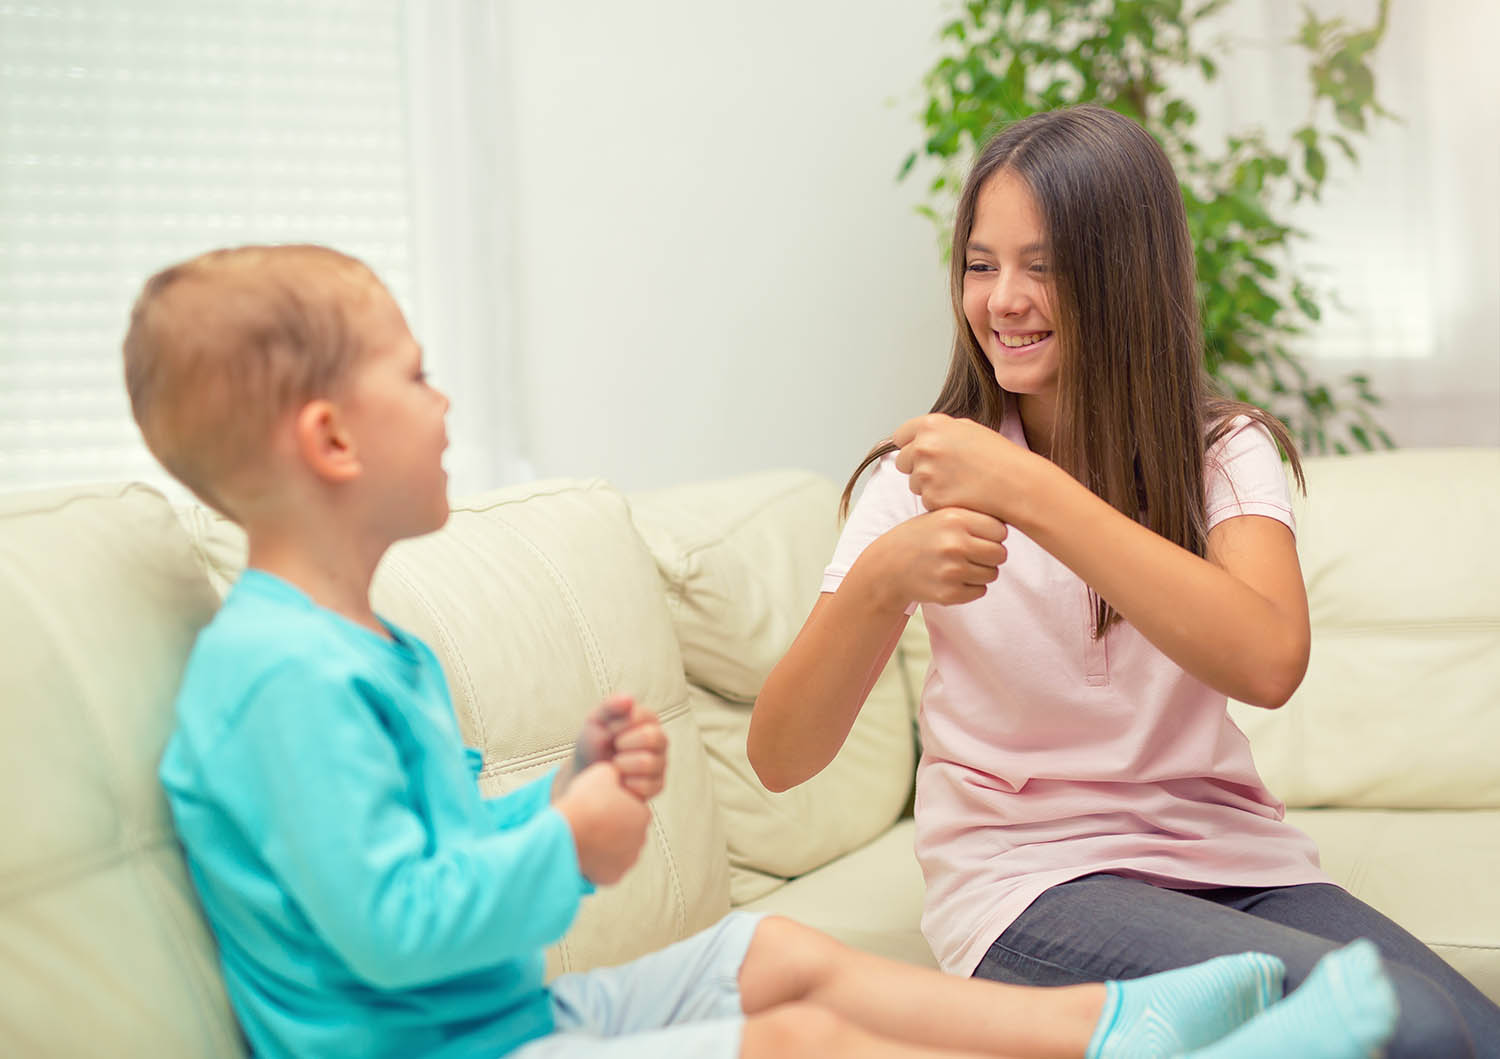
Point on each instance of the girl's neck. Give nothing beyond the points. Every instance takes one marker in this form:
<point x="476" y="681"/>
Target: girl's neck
<point x="1038" y="414"/>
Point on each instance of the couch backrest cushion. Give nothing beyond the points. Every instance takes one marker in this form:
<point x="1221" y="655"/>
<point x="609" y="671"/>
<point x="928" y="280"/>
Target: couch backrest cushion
<point x="1401" y="704"/>
<point x="102" y="946"/>
<point x="742" y="560"/>
<point x="539" y="601"/>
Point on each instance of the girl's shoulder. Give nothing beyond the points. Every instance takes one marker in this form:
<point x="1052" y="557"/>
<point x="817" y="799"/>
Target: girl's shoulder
<point x="1235" y="438"/>
<point x="1244" y="472"/>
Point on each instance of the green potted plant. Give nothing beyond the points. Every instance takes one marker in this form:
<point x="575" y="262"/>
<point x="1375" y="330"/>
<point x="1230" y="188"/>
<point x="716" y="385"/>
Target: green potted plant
<point x="1005" y="59"/>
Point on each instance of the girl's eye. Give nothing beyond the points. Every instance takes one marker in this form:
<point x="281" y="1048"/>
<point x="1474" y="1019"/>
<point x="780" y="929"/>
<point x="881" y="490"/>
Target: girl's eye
<point x="977" y="266"/>
<point x="1040" y="268"/>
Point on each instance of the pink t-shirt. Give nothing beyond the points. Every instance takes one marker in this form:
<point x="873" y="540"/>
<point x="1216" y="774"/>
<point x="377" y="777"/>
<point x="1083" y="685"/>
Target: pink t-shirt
<point x="1048" y="755"/>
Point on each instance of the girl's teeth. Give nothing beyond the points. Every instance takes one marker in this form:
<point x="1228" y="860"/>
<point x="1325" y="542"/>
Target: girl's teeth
<point x="1017" y="341"/>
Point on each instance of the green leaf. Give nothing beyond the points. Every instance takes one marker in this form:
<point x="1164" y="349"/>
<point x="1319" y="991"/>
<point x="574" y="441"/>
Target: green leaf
<point x="1011" y="58"/>
<point x="1305" y="302"/>
<point x="1317" y="165"/>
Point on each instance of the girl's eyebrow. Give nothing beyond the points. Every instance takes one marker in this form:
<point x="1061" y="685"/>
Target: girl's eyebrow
<point x="1029" y="248"/>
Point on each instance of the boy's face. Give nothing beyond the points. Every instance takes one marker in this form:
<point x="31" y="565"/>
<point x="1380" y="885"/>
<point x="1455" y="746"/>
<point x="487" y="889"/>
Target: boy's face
<point x="397" y="419"/>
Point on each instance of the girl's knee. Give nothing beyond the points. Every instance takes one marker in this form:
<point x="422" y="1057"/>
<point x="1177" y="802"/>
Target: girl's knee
<point x="1429" y="1023"/>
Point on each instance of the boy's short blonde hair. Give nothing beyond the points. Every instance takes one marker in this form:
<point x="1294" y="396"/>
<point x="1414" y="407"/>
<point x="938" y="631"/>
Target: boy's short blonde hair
<point x="222" y="346"/>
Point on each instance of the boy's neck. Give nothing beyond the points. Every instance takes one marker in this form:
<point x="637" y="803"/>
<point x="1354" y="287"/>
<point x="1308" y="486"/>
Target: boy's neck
<point x="332" y="573"/>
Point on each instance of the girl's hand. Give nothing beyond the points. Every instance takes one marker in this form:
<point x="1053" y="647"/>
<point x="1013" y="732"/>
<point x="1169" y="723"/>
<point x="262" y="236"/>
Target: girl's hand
<point x="946" y="556"/>
<point x="958" y="463"/>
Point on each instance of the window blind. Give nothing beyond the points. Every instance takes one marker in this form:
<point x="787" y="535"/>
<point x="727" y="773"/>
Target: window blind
<point x="135" y="135"/>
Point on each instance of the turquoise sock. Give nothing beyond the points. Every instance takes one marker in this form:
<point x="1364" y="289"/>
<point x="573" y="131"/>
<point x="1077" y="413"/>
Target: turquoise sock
<point x="1167" y="1014"/>
<point x="1345" y="1010"/>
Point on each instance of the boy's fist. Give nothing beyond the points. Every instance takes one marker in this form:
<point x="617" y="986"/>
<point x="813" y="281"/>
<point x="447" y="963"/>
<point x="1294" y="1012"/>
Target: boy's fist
<point x="627" y="734"/>
<point x="608" y="822"/>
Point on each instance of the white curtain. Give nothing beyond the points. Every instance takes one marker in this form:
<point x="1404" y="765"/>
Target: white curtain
<point x="134" y="135"/>
<point x="462" y="197"/>
<point x="1408" y="242"/>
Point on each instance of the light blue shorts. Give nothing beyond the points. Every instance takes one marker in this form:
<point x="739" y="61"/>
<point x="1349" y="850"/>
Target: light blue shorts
<point x="682" y="1000"/>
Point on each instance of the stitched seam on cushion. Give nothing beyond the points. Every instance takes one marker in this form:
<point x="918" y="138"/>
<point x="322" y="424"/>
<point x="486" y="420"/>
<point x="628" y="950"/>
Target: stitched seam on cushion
<point x="575" y="609"/>
<point x="590" y="486"/>
<point x="745" y="517"/>
<point x="65" y="870"/>
<point x="679" y="916"/>
<point x="205" y="564"/>
<point x="103" y="493"/>
<point x="1474" y="624"/>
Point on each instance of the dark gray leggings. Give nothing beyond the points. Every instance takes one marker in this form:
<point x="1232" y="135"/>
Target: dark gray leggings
<point x="1105" y="926"/>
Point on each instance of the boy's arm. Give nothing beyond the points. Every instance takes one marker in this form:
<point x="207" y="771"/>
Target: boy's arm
<point x="516" y="807"/>
<point x="314" y="779"/>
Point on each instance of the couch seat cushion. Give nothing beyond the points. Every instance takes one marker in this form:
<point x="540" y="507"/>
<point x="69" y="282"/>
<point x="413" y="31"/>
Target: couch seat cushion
<point x="870" y="898"/>
<point x="1431" y="871"/>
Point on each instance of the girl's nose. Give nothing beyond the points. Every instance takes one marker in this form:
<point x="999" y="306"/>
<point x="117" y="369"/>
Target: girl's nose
<point x="1006" y="296"/>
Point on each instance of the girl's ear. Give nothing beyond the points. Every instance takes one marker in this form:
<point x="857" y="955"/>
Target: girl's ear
<point x="324" y="442"/>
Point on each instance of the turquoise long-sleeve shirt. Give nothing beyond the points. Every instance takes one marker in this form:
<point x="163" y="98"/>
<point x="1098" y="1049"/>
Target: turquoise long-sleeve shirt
<point x="366" y="899"/>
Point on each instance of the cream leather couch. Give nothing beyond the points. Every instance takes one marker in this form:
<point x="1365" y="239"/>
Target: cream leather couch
<point x="541" y="599"/>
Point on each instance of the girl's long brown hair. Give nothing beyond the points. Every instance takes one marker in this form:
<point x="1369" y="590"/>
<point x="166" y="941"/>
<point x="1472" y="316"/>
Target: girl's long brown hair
<point x="1136" y="411"/>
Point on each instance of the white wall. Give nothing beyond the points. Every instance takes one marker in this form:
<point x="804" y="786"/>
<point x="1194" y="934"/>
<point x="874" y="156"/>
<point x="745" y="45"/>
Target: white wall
<point x="716" y="270"/>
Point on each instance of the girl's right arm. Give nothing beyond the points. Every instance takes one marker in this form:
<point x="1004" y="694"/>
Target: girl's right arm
<point x="810" y="700"/>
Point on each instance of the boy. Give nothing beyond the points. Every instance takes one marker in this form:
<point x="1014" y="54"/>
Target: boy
<point x="366" y="900"/>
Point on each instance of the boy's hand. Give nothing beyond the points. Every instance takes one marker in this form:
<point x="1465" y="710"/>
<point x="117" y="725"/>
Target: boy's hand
<point x="622" y="732"/>
<point x="641" y="753"/>
<point x="608" y="823"/>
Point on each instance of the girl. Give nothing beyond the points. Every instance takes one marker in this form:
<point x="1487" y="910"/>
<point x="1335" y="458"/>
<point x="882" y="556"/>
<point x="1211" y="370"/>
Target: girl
<point x="1085" y="807"/>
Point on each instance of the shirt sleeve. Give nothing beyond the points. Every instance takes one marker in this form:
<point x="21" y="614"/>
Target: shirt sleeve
<point x="514" y="808"/>
<point x="886" y="502"/>
<point x="1244" y="475"/>
<point x="309" y="772"/>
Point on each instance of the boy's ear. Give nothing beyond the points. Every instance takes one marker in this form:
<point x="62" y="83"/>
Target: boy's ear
<point x="324" y="442"/>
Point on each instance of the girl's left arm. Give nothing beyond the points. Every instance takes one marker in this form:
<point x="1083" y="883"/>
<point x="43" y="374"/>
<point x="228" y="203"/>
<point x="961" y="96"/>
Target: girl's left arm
<point x="1237" y="619"/>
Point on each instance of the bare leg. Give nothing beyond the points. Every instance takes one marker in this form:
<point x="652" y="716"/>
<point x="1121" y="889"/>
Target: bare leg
<point x="791" y="1031"/>
<point x="898" y="1004"/>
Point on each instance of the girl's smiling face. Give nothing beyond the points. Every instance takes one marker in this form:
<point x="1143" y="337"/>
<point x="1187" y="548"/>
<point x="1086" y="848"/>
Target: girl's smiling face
<point x="1007" y="292"/>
